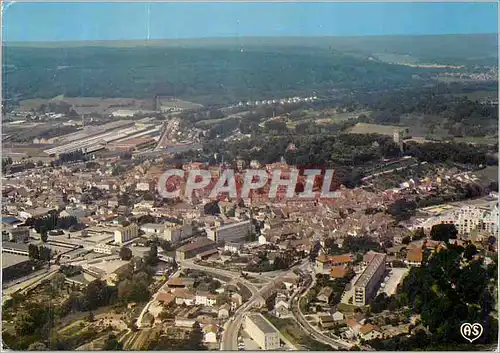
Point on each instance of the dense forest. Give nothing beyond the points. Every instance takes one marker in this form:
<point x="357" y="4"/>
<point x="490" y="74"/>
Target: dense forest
<point x="449" y="285"/>
<point x="206" y="75"/>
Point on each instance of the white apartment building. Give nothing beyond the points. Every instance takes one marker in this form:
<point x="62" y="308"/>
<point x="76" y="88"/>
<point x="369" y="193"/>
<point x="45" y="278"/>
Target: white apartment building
<point x="177" y="232"/>
<point x="367" y="283"/>
<point x="232" y="232"/>
<point x="262" y="332"/>
<point x="124" y="234"/>
<point x="467" y="219"/>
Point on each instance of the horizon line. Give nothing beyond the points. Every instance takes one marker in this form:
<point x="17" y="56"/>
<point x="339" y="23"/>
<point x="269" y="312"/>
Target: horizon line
<point x="247" y="37"/>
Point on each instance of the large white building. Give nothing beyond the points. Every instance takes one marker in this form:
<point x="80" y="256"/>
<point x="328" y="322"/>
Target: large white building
<point x="124" y="234"/>
<point x="153" y="229"/>
<point x="367" y="283"/>
<point x="467" y="219"/>
<point x="177" y="232"/>
<point x="262" y="332"/>
<point x="231" y="232"/>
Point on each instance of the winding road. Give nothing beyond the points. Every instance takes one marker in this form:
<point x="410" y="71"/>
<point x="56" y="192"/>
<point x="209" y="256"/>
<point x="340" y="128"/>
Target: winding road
<point x="306" y="326"/>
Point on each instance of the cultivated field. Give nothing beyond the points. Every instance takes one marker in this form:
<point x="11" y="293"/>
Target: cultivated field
<point x="166" y="103"/>
<point x="332" y="116"/>
<point x="362" y="128"/>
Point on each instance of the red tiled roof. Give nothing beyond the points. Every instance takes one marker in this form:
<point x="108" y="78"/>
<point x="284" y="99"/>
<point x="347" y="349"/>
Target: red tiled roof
<point x="352" y="323"/>
<point x="368" y="328"/>
<point x="165" y="297"/>
<point x="339" y="271"/>
<point x="414" y="255"/>
<point x="200" y="242"/>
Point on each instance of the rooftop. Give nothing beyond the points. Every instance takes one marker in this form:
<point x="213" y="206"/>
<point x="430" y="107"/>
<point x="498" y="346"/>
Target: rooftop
<point x="10" y="220"/>
<point x="14" y="246"/>
<point x="368" y="328"/>
<point x="9" y="260"/>
<point x="374" y="264"/>
<point x="261" y="322"/>
<point x="196" y="244"/>
<point x="415" y="255"/>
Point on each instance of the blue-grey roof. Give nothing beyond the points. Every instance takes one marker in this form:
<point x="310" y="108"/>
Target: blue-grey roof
<point x="10" y="220"/>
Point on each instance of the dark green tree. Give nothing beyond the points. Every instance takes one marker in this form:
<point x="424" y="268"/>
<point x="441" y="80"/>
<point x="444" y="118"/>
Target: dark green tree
<point x="125" y="253"/>
<point x="443" y="232"/>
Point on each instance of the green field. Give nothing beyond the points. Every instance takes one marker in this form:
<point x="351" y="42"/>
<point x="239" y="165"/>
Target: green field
<point x="362" y="128"/>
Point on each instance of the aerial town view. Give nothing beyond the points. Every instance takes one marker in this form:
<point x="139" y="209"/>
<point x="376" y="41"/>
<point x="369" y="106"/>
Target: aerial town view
<point x="250" y="176"/>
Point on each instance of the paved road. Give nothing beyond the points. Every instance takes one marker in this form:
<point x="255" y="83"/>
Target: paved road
<point x="24" y="286"/>
<point x="233" y="275"/>
<point x="306" y="326"/>
<point x="146" y="308"/>
<point x="230" y="335"/>
<point x="20" y="280"/>
<point x="229" y="340"/>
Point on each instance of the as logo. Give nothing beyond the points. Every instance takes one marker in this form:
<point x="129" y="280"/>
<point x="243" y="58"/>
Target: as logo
<point x="471" y="332"/>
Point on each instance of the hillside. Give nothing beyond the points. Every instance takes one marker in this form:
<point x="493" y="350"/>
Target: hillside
<point x="222" y="70"/>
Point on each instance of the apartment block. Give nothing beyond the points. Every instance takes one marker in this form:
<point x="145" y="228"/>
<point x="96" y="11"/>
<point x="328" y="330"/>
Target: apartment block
<point x="177" y="232"/>
<point x="367" y="283"/>
<point x="231" y="232"/>
<point x="467" y="219"/>
<point x="124" y="234"/>
<point x="262" y="332"/>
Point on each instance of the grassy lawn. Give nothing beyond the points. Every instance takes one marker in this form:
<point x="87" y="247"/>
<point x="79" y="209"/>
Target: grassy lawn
<point x="292" y="332"/>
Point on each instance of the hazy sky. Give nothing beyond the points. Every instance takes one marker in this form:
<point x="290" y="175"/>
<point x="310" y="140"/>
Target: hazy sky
<point x="121" y="21"/>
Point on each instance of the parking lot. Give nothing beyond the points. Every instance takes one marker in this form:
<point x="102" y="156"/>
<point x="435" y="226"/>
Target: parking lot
<point x="392" y="280"/>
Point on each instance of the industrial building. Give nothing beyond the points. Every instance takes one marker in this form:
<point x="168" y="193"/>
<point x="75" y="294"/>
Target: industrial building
<point x="262" y="332"/>
<point x="233" y="232"/>
<point x="89" y="142"/>
<point x="190" y="250"/>
<point x="132" y="144"/>
<point x="367" y="283"/>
